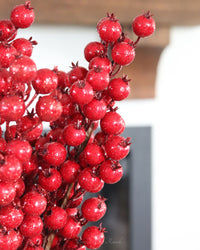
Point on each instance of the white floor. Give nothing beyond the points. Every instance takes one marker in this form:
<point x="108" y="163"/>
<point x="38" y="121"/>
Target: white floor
<point x="174" y="116"/>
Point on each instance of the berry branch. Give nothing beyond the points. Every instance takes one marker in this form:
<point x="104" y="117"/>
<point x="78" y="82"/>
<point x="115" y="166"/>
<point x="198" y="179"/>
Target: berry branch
<point x="44" y="176"/>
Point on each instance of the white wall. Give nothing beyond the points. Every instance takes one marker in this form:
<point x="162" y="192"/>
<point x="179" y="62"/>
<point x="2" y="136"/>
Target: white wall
<point x="174" y="116"/>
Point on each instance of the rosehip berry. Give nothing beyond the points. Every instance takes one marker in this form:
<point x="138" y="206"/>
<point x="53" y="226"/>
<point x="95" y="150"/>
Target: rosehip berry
<point x="93" y="237"/>
<point x="48" y="108"/>
<point x="112" y="123"/>
<point x="100" y="138"/>
<point x="12" y="108"/>
<point x="98" y="79"/>
<point x="7" y="193"/>
<point x="53" y="153"/>
<point x="45" y="82"/>
<point x="71" y="229"/>
<point x="119" y="88"/>
<point x="31" y="226"/>
<point x="22" y="16"/>
<point x="89" y="181"/>
<point x="93" y="154"/>
<point x="10" y="169"/>
<point x="95" y="110"/>
<point x="33" y="203"/>
<point x="20" y="149"/>
<point x="5" y="81"/>
<point x="102" y="63"/>
<point x="71" y="211"/>
<point x="24" y="46"/>
<point x="110" y="172"/>
<point x="109" y="29"/>
<point x="37" y="240"/>
<point x="93" y="49"/>
<point x="68" y="106"/>
<point x="144" y="25"/>
<point x="63" y="79"/>
<point x="31" y="127"/>
<point x="7" y="55"/>
<point x="31" y="165"/>
<point x="93" y="209"/>
<point x="55" y="218"/>
<point x="50" y="179"/>
<point x="10" y="240"/>
<point x="74" y="135"/>
<point x="75" y="244"/>
<point x="77" y="73"/>
<point x="70" y="171"/>
<point x="34" y="248"/>
<point x="23" y="69"/>
<point x="123" y="53"/>
<point x="117" y="147"/>
<point x="7" y="30"/>
<point x="81" y="92"/>
<point x="11" y="217"/>
<point x="20" y="187"/>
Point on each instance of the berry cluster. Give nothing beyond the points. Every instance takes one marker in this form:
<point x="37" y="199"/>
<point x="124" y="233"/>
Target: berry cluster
<point x="44" y="176"/>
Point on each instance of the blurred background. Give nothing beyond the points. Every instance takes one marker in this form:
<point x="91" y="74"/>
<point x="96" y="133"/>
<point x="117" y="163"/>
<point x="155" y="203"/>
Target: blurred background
<point x="156" y="206"/>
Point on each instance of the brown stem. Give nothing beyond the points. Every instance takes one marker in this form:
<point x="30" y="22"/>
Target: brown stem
<point x="50" y="238"/>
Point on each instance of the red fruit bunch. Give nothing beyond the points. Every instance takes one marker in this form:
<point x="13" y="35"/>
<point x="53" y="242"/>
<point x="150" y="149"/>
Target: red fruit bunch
<point x="44" y="175"/>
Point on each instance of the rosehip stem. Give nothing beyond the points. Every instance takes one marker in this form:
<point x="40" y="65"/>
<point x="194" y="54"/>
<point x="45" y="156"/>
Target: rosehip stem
<point x="32" y="100"/>
<point x="136" y="42"/>
<point x="116" y="72"/>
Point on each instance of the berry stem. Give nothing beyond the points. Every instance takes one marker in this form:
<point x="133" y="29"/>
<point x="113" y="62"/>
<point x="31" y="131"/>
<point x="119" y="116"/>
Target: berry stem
<point x="136" y="42"/>
<point x="32" y="100"/>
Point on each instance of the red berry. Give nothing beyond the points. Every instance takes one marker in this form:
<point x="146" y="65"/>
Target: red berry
<point x="110" y="172"/>
<point x="33" y="203"/>
<point x="89" y="181"/>
<point x="112" y="123"/>
<point x="50" y="179"/>
<point x="23" y="69"/>
<point x="34" y="248"/>
<point x="31" y="165"/>
<point x="7" y="55"/>
<point x="74" y="135"/>
<point x="144" y="25"/>
<point x="5" y="81"/>
<point x="22" y="16"/>
<point x="98" y="79"/>
<point x="117" y="147"/>
<point x="11" y="217"/>
<point x="31" y="127"/>
<point x="20" y="149"/>
<point x="77" y="73"/>
<point x="45" y="82"/>
<point x="10" y="240"/>
<point x="102" y="63"/>
<point x="93" y="154"/>
<point x="123" y="53"/>
<point x="109" y="29"/>
<point x="74" y="244"/>
<point x="93" y="49"/>
<point x="24" y="46"/>
<point x="12" y="108"/>
<point x="55" y="218"/>
<point x="71" y="211"/>
<point x="93" y="237"/>
<point x="71" y="229"/>
<point x="7" y="193"/>
<point x="81" y="92"/>
<point x="48" y="108"/>
<point x="10" y="169"/>
<point x="31" y="226"/>
<point x="68" y="106"/>
<point x="70" y="171"/>
<point x="93" y="209"/>
<point x="20" y="187"/>
<point x="63" y="79"/>
<point x="7" y="30"/>
<point x="119" y="88"/>
<point x="53" y="153"/>
<point x="37" y="240"/>
<point x="95" y="110"/>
